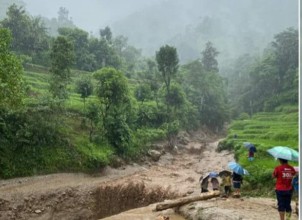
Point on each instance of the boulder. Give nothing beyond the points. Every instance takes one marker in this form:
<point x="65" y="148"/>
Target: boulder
<point x="154" y="154"/>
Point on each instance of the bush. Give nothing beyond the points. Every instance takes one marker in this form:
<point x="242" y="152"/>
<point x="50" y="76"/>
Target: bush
<point x="226" y="145"/>
<point x="244" y="116"/>
<point x="93" y="156"/>
<point x="238" y="125"/>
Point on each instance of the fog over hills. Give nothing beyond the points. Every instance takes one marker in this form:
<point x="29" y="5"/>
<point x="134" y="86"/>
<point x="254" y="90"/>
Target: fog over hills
<point x="235" y="27"/>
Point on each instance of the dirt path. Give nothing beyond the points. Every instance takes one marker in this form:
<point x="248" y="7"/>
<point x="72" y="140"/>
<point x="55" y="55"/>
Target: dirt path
<point x="79" y="196"/>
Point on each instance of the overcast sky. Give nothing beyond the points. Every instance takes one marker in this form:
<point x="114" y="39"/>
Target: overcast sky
<point x="90" y="14"/>
<point x="234" y="25"/>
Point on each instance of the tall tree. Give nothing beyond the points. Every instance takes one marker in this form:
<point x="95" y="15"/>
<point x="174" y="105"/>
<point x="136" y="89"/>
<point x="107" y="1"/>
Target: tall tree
<point x="206" y="91"/>
<point x="208" y="59"/>
<point x="11" y="84"/>
<point x="106" y="34"/>
<point x="63" y="16"/>
<point x="167" y="61"/>
<point x="105" y="55"/>
<point x="5" y="4"/>
<point x="79" y="38"/>
<point x="62" y="57"/>
<point x="113" y="93"/>
<point x="29" y="34"/>
<point x="286" y="49"/>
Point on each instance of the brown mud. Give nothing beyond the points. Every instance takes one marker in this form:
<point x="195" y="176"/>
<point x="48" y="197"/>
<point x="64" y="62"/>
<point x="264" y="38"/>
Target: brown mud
<point x="118" y="193"/>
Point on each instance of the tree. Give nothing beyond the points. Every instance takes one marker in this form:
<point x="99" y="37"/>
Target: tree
<point x="62" y="20"/>
<point x="106" y="34"/>
<point x="11" y="83"/>
<point x="151" y="77"/>
<point x="206" y="91"/>
<point x="286" y="48"/>
<point x="93" y="116"/>
<point x="112" y="90"/>
<point x="29" y="34"/>
<point x="271" y="80"/>
<point x="142" y="92"/>
<point x="208" y="59"/>
<point x="167" y="61"/>
<point x="84" y="60"/>
<point x="239" y="79"/>
<point x="129" y="55"/>
<point x="105" y="55"/>
<point x="5" y="4"/>
<point x="63" y="17"/>
<point x="62" y="57"/>
<point x="84" y="87"/>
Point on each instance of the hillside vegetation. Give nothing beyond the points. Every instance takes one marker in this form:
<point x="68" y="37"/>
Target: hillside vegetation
<point x="265" y="130"/>
<point x="76" y="102"/>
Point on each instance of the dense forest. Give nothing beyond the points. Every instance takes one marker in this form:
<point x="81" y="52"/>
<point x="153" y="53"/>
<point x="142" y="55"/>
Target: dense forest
<point x="71" y="101"/>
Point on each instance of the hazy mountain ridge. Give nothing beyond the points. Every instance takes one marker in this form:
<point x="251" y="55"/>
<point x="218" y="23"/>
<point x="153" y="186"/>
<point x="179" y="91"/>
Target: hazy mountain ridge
<point x="235" y="27"/>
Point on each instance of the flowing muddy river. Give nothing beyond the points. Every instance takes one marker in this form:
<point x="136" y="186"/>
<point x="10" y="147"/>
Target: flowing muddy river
<point x="118" y="193"/>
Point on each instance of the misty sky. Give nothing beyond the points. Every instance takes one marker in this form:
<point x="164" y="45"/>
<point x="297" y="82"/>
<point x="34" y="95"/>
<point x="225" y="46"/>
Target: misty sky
<point x="234" y="26"/>
<point x="90" y="15"/>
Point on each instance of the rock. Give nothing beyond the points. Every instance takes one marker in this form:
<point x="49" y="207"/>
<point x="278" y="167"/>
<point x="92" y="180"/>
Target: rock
<point x="183" y="140"/>
<point x="154" y="154"/>
<point x="38" y="211"/>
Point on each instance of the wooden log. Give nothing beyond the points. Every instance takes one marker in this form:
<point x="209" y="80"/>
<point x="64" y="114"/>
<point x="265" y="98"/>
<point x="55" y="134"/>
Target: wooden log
<point x="186" y="200"/>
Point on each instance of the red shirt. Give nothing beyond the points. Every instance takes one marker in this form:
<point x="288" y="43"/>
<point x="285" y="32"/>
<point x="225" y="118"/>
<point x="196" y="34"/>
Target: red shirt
<point x="284" y="174"/>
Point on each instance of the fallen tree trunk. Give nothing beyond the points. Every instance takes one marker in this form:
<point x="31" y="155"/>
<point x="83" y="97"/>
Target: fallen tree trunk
<point x="185" y="200"/>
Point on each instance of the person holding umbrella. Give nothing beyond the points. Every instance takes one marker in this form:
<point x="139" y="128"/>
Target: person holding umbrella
<point x="252" y="149"/>
<point x="237" y="178"/>
<point x="284" y="174"/>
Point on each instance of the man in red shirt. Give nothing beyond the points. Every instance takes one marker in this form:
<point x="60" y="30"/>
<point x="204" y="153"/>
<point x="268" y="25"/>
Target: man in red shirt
<point x="284" y="174"/>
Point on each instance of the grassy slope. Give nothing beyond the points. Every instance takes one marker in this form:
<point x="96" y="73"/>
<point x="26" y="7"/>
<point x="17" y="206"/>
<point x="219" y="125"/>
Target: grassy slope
<point x="265" y="130"/>
<point x="80" y="154"/>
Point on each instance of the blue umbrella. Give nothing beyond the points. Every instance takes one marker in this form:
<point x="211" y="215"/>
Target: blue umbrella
<point x="285" y="153"/>
<point x="213" y="174"/>
<point x="236" y="168"/>
<point x="250" y="146"/>
<point x="247" y="144"/>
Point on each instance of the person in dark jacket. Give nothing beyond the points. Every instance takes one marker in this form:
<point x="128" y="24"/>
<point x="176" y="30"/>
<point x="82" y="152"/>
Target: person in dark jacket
<point x="237" y="181"/>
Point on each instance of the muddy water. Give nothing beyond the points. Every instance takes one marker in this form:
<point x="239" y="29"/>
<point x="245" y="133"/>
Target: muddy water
<point x="146" y="213"/>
